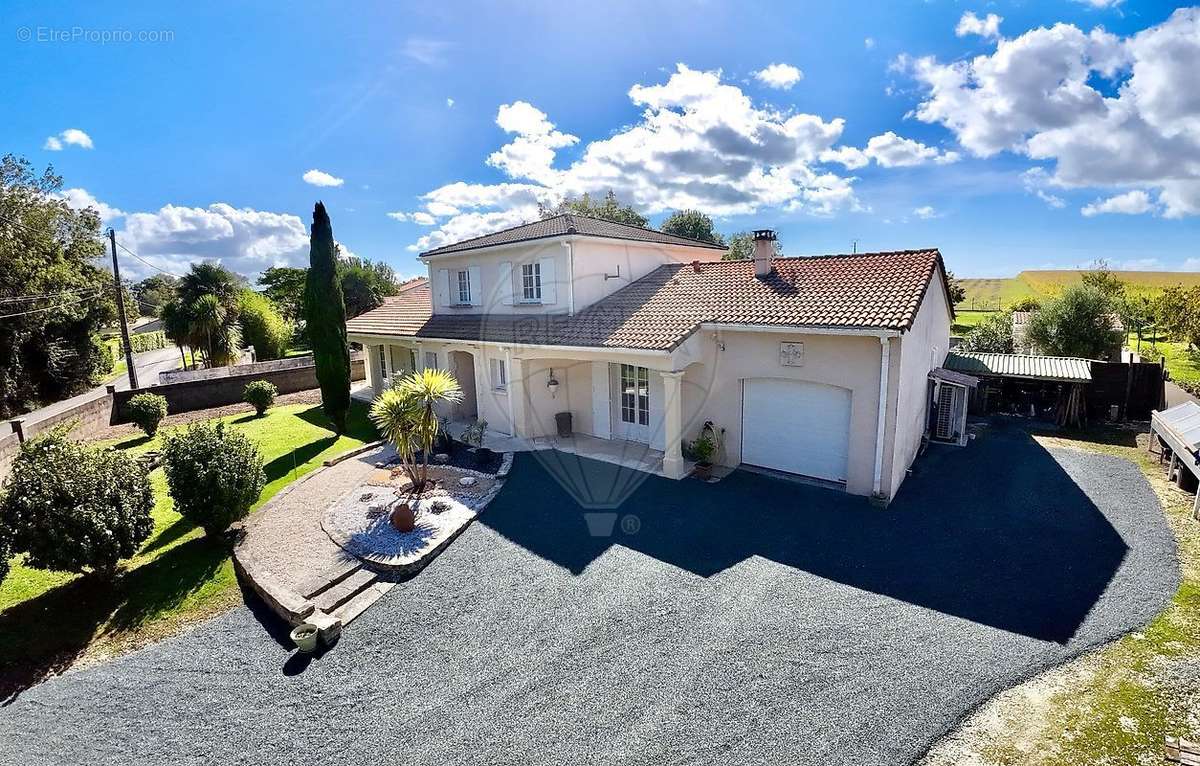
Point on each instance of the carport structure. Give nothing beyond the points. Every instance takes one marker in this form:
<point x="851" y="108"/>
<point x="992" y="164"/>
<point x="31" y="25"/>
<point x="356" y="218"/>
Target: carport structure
<point x="1178" y="429"/>
<point x="1020" y="382"/>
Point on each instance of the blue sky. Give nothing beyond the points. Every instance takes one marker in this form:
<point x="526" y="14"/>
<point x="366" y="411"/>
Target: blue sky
<point x="1007" y="142"/>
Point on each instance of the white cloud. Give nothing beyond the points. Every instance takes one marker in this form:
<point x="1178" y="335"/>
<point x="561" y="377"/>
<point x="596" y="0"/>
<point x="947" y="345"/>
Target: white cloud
<point x="869" y="43"/>
<point x="1035" y="181"/>
<point x="970" y="24"/>
<point x="425" y="51"/>
<point x="449" y="103"/>
<point x="420" y="217"/>
<point x="779" y="76"/>
<point x="699" y="143"/>
<point x="244" y="240"/>
<point x="69" y="137"/>
<point x="1133" y="202"/>
<point x="1038" y="95"/>
<point x="890" y="151"/>
<point x="1101" y="3"/>
<point x="926" y="212"/>
<point x="321" y="178"/>
<point x="80" y="199"/>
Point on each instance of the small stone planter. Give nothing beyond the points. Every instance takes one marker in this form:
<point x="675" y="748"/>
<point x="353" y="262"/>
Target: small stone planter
<point x="305" y="637"/>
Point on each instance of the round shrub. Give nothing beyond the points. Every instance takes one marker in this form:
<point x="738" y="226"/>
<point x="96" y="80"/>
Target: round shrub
<point x="72" y="507"/>
<point x="214" y="473"/>
<point x="261" y="394"/>
<point x="147" y="411"/>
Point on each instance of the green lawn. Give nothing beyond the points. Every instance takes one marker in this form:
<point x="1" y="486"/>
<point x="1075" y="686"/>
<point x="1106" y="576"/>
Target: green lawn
<point x="965" y="320"/>
<point x="48" y="620"/>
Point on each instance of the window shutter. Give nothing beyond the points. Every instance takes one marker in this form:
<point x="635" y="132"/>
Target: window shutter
<point x="443" y="287"/>
<point x="506" y="283"/>
<point x="476" y="286"/>
<point x="548" y="282"/>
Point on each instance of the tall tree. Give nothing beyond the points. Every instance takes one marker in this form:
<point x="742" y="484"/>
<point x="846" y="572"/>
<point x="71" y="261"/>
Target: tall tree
<point x="285" y="287"/>
<point x="365" y="284"/>
<point x="611" y="209"/>
<point x="741" y="246"/>
<point x="54" y="297"/>
<point x="692" y="224"/>
<point x="958" y="293"/>
<point x="154" y="292"/>
<point x="208" y="297"/>
<point x="991" y="336"/>
<point x="1076" y="323"/>
<point x="325" y="311"/>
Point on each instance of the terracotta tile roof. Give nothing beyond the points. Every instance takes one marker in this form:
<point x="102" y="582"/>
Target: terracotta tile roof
<point x="401" y="314"/>
<point x="657" y="312"/>
<point x="570" y="223"/>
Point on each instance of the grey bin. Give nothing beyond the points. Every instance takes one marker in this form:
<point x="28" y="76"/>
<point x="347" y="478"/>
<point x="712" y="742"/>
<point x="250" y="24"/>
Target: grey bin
<point x="562" y="420"/>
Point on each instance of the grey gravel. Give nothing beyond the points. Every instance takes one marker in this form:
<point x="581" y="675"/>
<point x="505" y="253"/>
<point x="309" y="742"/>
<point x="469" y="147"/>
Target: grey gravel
<point x="751" y="621"/>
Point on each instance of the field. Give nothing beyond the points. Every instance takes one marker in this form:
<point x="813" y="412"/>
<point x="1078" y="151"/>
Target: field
<point x="994" y="294"/>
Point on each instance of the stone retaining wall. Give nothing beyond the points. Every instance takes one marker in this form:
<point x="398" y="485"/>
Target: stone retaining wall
<point x="92" y="413"/>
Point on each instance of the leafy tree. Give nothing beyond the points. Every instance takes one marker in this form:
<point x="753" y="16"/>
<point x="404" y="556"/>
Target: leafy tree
<point x="210" y="279"/>
<point x="72" y="507"/>
<point x="610" y="209"/>
<point x="263" y="326"/>
<point x="325" y="311"/>
<point x="741" y="247"/>
<point x="214" y="475"/>
<point x="1177" y="311"/>
<point x="208" y="307"/>
<point x="991" y="336"/>
<point x="1076" y="323"/>
<point x="285" y="287"/>
<point x="1137" y="314"/>
<point x="213" y="328"/>
<point x="147" y="411"/>
<point x="177" y="325"/>
<point x="365" y="284"/>
<point x="958" y="293"/>
<point x="1103" y="280"/>
<point x="152" y="293"/>
<point x="692" y="224"/>
<point x="1027" y="303"/>
<point x="48" y="266"/>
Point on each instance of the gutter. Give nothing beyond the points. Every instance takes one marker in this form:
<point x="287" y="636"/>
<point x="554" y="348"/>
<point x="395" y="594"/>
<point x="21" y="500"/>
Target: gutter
<point x="358" y="337"/>
<point x="885" y="356"/>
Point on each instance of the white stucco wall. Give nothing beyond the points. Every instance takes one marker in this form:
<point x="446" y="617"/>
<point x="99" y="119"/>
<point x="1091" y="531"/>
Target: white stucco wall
<point x="593" y="259"/>
<point x="713" y="387"/>
<point x="922" y="348"/>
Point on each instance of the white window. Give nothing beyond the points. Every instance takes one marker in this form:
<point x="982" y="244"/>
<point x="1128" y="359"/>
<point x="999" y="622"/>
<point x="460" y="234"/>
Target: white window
<point x="531" y="282"/>
<point x="499" y="375"/>
<point x="464" y="287"/>
<point x="431" y="360"/>
<point x="635" y="395"/>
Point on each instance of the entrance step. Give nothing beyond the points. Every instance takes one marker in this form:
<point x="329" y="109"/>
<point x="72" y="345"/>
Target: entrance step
<point x="362" y="600"/>
<point x="329" y="600"/>
<point x="329" y="578"/>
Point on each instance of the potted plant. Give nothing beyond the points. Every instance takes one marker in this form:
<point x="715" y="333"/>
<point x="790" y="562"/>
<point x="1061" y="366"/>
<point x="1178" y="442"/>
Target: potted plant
<point x="702" y="451"/>
<point x="473" y="436"/>
<point x="305" y="637"/>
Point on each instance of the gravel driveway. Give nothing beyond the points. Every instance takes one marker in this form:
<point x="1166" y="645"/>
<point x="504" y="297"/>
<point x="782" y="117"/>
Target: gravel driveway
<point x="752" y="621"/>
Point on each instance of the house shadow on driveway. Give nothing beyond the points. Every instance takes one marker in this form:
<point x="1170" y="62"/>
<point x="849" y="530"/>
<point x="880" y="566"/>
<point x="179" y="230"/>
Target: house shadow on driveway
<point x="996" y="533"/>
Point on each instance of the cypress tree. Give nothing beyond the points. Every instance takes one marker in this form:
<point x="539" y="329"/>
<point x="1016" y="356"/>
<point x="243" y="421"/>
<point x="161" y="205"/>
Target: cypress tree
<point x="325" y="312"/>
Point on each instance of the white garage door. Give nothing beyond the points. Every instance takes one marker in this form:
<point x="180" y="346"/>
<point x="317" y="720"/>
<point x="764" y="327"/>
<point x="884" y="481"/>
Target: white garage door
<point x="797" y="427"/>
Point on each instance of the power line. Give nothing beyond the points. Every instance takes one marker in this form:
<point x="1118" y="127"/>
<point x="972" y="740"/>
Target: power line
<point x="98" y="294"/>
<point x="148" y="263"/>
<point x="43" y="296"/>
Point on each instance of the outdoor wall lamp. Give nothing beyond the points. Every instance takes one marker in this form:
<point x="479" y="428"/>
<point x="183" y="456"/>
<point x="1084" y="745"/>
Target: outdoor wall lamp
<point x="552" y="384"/>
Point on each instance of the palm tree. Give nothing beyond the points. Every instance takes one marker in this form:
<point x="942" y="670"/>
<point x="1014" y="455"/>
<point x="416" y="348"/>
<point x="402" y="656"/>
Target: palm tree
<point x="397" y="415"/>
<point x="214" y="330"/>
<point x="176" y="325"/>
<point x="425" y="390"/>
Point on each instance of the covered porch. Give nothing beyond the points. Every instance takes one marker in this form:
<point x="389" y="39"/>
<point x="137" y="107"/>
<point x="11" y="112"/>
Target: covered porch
<point x="626" y="409"/>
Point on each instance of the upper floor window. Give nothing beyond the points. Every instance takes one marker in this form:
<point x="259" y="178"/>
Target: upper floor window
<point x="531" y="282"/>
<point x="464" y="287"/>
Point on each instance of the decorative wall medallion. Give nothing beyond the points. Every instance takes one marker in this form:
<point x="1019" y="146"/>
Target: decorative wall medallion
<point x="791" y="354"/>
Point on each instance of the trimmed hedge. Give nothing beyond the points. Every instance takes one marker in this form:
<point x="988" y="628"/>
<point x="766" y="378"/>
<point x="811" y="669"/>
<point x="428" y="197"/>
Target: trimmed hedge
<point x="261" y="394"/>
<point x="143" y="341"/>
<point x="147" y="411"/>
<point x="214" y="473"/>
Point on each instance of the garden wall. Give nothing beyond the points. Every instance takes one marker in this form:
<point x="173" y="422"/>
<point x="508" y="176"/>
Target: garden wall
<point x="189" y="395"/>
<point x="179" y="376"/>
<point x="92" y="411"/>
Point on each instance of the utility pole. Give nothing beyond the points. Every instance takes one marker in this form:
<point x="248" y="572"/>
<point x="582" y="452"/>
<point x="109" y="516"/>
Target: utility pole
<point x="133" y="382"/>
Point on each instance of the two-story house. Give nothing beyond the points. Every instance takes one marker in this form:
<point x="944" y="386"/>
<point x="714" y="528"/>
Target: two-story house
<point x="813" y="366"/>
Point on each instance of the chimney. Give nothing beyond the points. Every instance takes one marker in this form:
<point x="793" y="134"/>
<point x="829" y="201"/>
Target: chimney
<point x="764" y="251"/>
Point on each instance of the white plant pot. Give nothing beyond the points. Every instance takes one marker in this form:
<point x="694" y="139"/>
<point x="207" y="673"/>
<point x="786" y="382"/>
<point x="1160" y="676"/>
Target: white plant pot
<point x="305" y="636"/>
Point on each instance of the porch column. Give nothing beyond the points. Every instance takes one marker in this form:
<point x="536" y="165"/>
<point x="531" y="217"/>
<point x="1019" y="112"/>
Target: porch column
<point x="374" y="372"/>
<point x="516" y="394"/>
<point x="673" y="465"/>
<point x="387" y="362"/>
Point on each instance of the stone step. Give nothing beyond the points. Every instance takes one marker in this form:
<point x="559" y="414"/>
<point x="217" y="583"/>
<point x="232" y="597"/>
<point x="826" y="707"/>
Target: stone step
<point x="329" y="578"/>
<point x="362" y="600"/>
<point x="329" y="600"/>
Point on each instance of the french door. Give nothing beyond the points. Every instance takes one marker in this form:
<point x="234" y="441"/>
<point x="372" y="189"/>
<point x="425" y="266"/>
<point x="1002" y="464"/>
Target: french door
<point x="632" y="416"/>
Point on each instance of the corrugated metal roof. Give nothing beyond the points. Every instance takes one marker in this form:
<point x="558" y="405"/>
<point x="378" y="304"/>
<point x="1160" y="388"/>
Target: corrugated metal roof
<point x="1184" y="420"/>
<point x="1063" y="368"/>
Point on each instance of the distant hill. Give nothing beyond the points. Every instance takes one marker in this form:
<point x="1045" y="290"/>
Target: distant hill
<point x="990" y="294"/>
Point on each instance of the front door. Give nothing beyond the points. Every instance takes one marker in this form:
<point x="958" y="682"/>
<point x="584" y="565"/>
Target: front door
<point x="631" y="417"/>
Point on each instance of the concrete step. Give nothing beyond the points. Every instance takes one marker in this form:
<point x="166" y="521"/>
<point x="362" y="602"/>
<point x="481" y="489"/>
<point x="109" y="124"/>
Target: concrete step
<point x="329" y="600"/>
<point x="361" y="601"/>
<point x="329" y="578"/>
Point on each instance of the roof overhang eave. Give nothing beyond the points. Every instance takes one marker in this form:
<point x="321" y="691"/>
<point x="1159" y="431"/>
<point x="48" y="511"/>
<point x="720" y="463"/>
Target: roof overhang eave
<point x="428" y="256"/>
